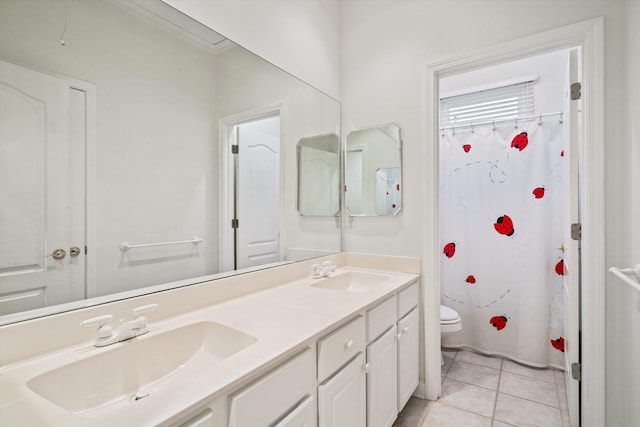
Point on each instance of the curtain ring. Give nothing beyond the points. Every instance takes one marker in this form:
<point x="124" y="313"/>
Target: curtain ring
<point x="561" y="121"/>
<point x="516" y="123"/>
<point x="453" y="130"/>
<point x="540" y="120"/>
<point x="472" y="128"/>
<point x="494" y="125"/>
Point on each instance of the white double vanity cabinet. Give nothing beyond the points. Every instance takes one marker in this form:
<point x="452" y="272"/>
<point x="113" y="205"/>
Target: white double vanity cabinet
<point x="269" y="348"/>
<point x="359" y="374"/>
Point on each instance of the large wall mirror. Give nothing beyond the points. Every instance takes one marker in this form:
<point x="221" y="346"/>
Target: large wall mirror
<point x="373" y="171"/>
<point x="139" y="151"/>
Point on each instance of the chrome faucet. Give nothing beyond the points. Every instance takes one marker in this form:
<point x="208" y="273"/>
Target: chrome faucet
<point x="320" y="271"/>
<point x="108" y="335"/>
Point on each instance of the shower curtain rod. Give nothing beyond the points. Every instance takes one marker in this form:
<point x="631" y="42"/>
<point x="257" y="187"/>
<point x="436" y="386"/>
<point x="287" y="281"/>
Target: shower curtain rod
<point x="512" y="119"/>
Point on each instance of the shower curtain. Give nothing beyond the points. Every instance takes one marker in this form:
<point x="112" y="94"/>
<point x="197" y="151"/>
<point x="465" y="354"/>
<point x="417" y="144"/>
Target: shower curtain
<point x="501" y="216"/>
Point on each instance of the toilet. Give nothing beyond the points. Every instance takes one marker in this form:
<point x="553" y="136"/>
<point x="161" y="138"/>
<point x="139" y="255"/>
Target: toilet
<point x="450" y="323"/>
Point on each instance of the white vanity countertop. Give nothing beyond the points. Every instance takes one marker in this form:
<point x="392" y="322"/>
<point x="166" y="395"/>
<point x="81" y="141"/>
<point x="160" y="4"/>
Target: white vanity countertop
<point x="282" y="319"/>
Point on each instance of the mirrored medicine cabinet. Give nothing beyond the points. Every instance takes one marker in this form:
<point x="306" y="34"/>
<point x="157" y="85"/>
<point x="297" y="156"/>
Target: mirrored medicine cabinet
<point x="373" y="171"/>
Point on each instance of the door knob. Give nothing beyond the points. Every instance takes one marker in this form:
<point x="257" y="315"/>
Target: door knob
<point x="74" y="251"/>
<point x="59" y="254"/>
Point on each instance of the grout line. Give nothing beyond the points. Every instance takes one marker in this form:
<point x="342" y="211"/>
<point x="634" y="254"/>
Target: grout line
<point x="451" y="364"/>
<point x="495" y="402"/>
<point x="533" y="401"/>
<point x="472" y="384"/>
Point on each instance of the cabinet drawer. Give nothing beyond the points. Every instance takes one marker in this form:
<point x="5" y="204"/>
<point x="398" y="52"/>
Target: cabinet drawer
<point x="380" y="318"/>
<point x="340" y="346"/>
<point x="267" y="399"/>
<point x="407" y="299"/>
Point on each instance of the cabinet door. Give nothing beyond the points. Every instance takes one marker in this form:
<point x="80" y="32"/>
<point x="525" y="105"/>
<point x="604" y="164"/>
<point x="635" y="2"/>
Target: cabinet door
<point x="408" y="353"/>
<point x="302" y="415"/>
<point x="203" y="419"/>
<point x="382" y="380"/>
<point x="342" y="399"/>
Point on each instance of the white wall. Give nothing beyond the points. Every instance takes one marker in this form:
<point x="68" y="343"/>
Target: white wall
<point x="154" y="94"/>
<point x="623" y="303"/>
<point x="386" y="45"/>
<point x="302" y="37"/>
<point x="633" y="124"/>
<point x="549" y="88"/>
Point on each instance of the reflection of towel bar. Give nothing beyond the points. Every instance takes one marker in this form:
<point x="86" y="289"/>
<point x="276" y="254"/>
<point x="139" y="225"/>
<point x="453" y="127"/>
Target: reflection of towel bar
<point x="630" y="276"/>
<point x="125" y="246"/>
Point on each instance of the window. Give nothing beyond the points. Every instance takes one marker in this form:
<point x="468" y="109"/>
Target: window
<point x="486" y="106"/>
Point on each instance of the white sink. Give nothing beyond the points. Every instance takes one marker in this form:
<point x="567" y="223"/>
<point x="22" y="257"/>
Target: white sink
<point x="137" y="366"/>
<point x="352" y="281"/>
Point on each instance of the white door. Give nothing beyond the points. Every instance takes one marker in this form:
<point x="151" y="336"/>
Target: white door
<point x="258" y="192"/>
<point x="342" y="399"/>
<point x="571" y="285"/>
<point x="382" y="380"/>
<point x="408" y="357"/>
<point x="34" y="189"/>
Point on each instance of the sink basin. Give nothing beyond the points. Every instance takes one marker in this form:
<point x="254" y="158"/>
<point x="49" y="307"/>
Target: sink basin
<point x="128" y="371"/>
<point x="352" y="281"/>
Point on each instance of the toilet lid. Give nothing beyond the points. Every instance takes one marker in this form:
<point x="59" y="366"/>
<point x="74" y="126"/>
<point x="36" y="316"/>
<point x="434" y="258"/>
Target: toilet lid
<point x="448" y="314"/>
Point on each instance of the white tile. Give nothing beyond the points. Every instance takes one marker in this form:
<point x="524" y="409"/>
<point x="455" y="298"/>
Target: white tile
<point x="537" y="373"/>
<point x="447" y="363"/>
<point x="525" y="413"/>
<point x="474" y="374"/>
<point x="501" y="424"/>
<point x="440" y="415"/>
<point x="559" y="376"/>
<point x="450" y="352"/>
<point x="413" y="413"/>
<point x="479" y="359"/>
<point x="529" y="388"/>
<point x="468" y="397"/>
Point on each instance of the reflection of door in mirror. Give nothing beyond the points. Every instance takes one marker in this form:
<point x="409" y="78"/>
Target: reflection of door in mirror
<point x="42" y="179"/>
<point x="318" y="163"/>
<point x="353" y="181"/>
<point x="257" y="192"/>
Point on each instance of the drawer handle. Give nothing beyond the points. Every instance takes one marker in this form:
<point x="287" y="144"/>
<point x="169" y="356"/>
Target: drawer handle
<point x="348" y="344"/>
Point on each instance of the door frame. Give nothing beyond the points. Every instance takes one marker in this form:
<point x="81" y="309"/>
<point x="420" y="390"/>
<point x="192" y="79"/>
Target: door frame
<point x="226" y="178"/>
<point x="589" y="35"/>
<point x="89" y="89"/>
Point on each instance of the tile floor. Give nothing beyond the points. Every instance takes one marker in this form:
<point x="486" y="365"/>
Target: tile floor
<point x="487" y="391"/>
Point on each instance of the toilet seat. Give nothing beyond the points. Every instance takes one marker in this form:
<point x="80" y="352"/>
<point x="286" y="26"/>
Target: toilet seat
<point x="449" y="320"/>
<point x="448" y="315"/>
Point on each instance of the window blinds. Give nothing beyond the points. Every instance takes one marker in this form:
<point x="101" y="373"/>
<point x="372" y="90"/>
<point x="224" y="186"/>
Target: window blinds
<point x="486" y="106"/>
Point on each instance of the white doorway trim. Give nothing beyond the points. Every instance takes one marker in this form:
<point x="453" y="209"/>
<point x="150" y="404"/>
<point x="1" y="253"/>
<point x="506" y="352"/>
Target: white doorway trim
<point x="89" y="90"/>
<point x="226" y="178"/>
<point x="590" y="36"/>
